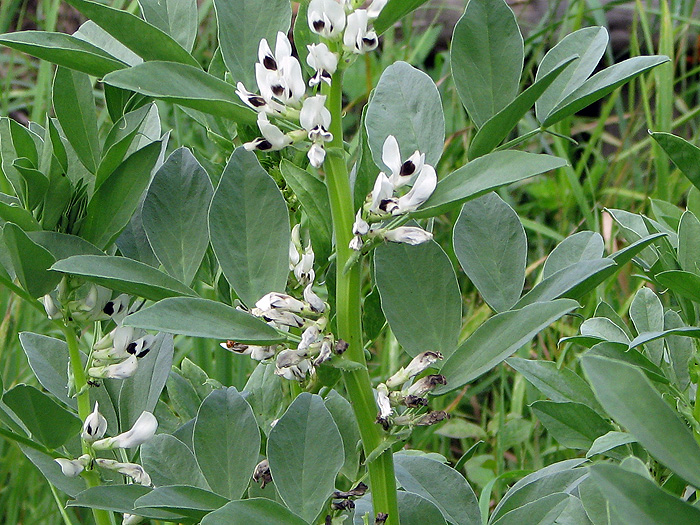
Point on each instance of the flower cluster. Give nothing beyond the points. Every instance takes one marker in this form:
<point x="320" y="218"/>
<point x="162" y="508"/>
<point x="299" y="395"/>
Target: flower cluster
<point x="116" y="355"/>
<point x="394" y="393"/>
<point x="284" y="311"/>
<point x="384" y="201"/>
<point x="94" y="429"/>
<point x="281" y="84"/>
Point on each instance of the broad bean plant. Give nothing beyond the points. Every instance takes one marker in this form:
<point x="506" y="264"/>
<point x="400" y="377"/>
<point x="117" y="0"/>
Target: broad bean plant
<point x="302" y="252"/>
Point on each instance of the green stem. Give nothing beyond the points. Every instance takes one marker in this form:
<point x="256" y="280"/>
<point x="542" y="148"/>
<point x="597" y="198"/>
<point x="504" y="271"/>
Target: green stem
<point x="92" y="479"/>
<point x="349" y="312"/>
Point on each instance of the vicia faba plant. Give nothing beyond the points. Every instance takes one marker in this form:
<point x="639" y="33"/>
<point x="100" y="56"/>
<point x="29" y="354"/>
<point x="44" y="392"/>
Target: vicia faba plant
<point x="123" y="247"/>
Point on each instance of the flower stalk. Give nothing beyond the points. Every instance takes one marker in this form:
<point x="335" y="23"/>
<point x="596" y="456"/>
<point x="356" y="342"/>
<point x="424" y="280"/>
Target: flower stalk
<point x="349" y="314"/>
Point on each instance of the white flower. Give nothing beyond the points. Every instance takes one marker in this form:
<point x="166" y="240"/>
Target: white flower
<point x="273" y="138"/>
<point x="422" y="189"/>
<point x="73" y="467"/>
<point x="257" y="102"/>
<point x="304" y="269"/>
<point x="357" y="38"/>
<point x="279" y="301"/>
<point x="401" y="171"/>
<point x="316" y="155"/>
<point x="375" y="8"/>
<point x="315" y="118"/>
<point x="326" y="18"/>
<point x="360" y="226"/>
<point x="382" y="192"/>
<point x="418" y="364"/>
<point x="408" y="235"/>
<point x="117" y="308"/>
<point x="259" y="353"/>
<point x="133" y="470"/>
<point x="294" y="248"/>
<point x="323" y="61"/>
<point x="94" y="427"/>
<point x="283" y="49"/>
<point x="310" y="336"/>
<point x="144" y="429"/>
<point x="90" y="307"/>
<point x="122" y="370"/>
<point x="355" y="243"/>
<point x="131" y="519"/>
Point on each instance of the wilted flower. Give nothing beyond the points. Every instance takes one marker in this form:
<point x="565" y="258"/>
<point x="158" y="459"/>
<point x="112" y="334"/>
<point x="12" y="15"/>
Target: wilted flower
<point x="315" y="302"/>
<point x="144" y="429"/>
<point x="418" y="364"/>
<point x="385" y="410"/>
<point x="262" y="473"/>
<point x="408" y="235"/>
<point x="357" y="37"/>
<point x="325" y="353"/>
<point x="94" y="427"/>
<point x="426" y="384"/>
<point x="323" y="61"/>
<point x="295" y="372"/>
<point x="259" y="353"/>
<point x="326" y="18"/>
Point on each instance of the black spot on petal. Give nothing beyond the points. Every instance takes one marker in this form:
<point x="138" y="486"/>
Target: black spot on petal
<point x="319" y="25"/>
<point x="277" y="89"/>
<point x="407" y="168"/>
<point x="270" y="63"/>
<point x="109" y="308"/>
<point x="263" y="145"/>
<point x="131" y="349"/>
<point x="256" y="101"/>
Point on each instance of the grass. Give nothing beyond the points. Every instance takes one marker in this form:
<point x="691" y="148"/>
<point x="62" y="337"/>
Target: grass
<point x="613" y="164"/>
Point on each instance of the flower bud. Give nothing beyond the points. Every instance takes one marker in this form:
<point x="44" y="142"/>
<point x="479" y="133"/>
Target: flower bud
<point x="144" y="429"/>
<point x="131" y="519"/>
<point x="52" y="311"/>
<point x="94" y="427"/>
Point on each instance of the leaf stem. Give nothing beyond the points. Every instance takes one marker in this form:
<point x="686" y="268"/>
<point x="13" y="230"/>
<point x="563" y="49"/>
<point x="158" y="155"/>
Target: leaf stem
<point x="349" y="312"/>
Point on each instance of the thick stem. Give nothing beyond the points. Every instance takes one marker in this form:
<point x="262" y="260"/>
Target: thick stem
<point x="102" y="517"/>
<point x="349" y="313"/>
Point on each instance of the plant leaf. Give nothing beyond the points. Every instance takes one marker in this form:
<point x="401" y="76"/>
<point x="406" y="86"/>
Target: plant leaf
<point x="185" y="85"/>
<point x="490" y="244"/>
<point x="226" y="442"/>
<point x="487" y="58"/>
<point x="407" y="96"/>
<point x="249" y="225"/>
<point x="169" y="462"/>
<point x="30" y="261"/>
<point x="203" y="318"/>
<point x="144" y="39"/>
<point x="632" y="401"/>
<point x="420" y="296"/>
<point x="64" y="50"/>
<point x="124" y="275"/>
<point x="254" y="510"/>
<point x="305" y="453"/>
<point x="175" y="213"/>
<point x="573" y="425"/>
<point x="178" y="18"/>
<point x="485" y="174"/>
<point x="498" y="338"/>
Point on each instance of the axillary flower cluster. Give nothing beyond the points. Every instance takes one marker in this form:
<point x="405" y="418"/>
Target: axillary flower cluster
<point x="384" y="201"/>
<point x="284" y="311"/>
<point x="345" y="31"/>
